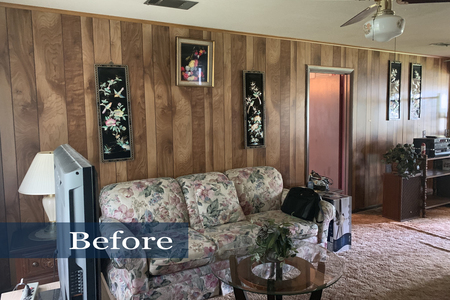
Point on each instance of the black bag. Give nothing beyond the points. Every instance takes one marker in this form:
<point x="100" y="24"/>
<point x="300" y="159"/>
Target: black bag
<point x="302" y="203"/>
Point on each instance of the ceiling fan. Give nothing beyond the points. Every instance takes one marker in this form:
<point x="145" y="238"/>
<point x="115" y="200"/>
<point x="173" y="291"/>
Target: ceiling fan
<point x="385" y="24"/>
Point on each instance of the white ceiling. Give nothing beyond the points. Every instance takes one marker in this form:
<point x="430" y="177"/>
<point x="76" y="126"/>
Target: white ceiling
<point x="315" y="20"/>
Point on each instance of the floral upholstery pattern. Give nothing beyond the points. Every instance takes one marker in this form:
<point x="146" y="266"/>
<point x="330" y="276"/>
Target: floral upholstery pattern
<point x="211" y="200"/>
<point x="147" y="200"/>
<point x="233" y="235"/>
<point x="125" y="284"/>
<point x="251" y="193"/>
<point x="300" y="229"/>
<point x="199" y="254"/>
<point x="197" y="283"/>
<point x="259" y="189"/>
<point x="194" y="287"/>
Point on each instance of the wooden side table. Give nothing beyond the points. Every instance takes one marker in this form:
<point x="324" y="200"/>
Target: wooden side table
<point x="35" y="260"/>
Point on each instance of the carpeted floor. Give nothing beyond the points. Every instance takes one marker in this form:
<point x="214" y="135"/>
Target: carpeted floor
<point x="393" y="260"/>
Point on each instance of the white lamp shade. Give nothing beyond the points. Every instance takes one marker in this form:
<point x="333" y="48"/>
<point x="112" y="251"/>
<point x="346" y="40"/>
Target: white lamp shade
<point x="384" y="28"/>
<point x="40" y="178"/>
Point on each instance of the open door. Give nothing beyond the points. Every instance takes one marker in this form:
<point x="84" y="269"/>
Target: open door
<point x="328" y="124"/>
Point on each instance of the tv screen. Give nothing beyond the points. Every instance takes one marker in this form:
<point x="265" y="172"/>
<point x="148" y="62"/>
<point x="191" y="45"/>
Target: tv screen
<point x="76" y="196"/>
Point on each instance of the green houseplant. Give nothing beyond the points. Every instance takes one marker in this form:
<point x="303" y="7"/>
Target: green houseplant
<point x="404" y="158"/>
<point x="273" y="243"/>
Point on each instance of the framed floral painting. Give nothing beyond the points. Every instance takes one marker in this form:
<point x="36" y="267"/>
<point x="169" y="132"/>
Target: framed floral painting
<point x="254" y="109"/>
<point x="415" y="92"/>
<point x="195" y="62"/>
<point x="114" y="112"/>
<point x="395" y="75"/>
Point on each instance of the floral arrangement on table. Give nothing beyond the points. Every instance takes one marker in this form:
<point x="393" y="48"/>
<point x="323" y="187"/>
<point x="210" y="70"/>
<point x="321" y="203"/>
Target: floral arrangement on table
<point x="191" y="71"/>
<point x="273" y="243"/>
<point x="405" y="158"/>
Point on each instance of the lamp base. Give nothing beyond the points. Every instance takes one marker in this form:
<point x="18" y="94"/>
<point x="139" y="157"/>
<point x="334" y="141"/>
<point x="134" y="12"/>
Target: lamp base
<point x="44" y="234"/>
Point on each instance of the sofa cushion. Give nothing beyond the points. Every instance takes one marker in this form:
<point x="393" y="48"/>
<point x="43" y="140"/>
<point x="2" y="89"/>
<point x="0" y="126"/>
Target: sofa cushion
<point x="146" y="200"/>
<point x="300" y="229"/>
<point x="199" y="253"/>
<point x="258" y="188"/>
<point x="232" y="235"/>
<point x="211" y="200"/>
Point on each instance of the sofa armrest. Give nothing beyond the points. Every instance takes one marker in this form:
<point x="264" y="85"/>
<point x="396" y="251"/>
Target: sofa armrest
<point x="131" y="260"/>
<point x="283" y="195"/>
<point x="326" y="214"/>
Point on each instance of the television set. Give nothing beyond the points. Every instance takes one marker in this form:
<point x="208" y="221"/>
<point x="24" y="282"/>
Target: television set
<point x="76" y="197"/>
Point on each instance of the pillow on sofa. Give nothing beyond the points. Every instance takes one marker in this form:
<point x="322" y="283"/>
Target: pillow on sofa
<point x="218" y="204"/>
<point x="211" y="185"/>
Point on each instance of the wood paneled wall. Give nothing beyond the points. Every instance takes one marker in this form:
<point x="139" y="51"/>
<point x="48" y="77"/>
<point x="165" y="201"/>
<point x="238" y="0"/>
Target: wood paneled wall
<point x="48" y="98"/>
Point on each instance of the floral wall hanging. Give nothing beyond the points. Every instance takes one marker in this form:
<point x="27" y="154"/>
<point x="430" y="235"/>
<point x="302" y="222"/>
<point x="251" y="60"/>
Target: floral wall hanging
<point x="415" y="92"/>
<point x="114" y="112"/>
<point x="254" y="109"/>
<point x="195" y="62"/>
<point x="395" y="75"/>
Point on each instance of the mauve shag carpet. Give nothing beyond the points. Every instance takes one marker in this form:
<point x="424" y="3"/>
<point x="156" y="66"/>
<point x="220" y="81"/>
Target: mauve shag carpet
<point x="391" y="260"/>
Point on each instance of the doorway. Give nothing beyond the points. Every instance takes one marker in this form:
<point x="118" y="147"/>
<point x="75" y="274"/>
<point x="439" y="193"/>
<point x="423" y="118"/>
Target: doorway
<point x="328" y="124"/>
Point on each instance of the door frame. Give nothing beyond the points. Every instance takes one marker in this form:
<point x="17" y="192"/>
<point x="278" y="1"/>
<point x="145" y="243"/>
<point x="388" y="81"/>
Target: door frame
<point x="348" y="111"/>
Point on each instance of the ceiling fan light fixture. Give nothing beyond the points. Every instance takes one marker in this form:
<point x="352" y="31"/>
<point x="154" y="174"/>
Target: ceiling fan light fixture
<point x="384" y="27"/>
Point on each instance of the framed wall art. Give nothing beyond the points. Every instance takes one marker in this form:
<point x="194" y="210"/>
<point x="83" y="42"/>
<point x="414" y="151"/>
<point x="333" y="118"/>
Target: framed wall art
<point x="195" y="62"/>
<point x="393" y="105"/>
<point x="114" y="112"/>
<point x="415" y="92"/>
<point x="254" y="109"/>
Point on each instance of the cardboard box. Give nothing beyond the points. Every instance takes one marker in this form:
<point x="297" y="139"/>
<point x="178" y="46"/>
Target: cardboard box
<point x="340" y="228"/>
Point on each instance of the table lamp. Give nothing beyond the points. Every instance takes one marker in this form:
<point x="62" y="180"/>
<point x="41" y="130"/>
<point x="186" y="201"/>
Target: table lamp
<point x="40" y="180"/>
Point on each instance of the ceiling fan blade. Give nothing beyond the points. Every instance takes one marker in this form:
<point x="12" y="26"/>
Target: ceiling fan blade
<point x="362" y="15"/>
<point x="421" y="1"/>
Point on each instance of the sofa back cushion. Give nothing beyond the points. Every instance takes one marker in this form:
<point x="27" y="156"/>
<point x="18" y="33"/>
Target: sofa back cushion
<point x="211" y="200"/>
<point x="259" y="189"/>
<point x="146" y="200"/>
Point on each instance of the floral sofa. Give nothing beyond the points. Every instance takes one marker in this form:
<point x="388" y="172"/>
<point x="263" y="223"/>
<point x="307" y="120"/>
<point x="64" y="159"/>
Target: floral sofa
<point x="223" y="210"/>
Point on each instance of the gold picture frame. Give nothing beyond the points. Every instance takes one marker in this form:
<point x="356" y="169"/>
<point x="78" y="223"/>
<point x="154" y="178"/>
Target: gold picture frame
<point x="195" y="62"/>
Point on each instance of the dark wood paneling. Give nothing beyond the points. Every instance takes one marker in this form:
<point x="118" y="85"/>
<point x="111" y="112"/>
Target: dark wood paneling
<point x="102" y="55"/>
<point x="23" y="86"/>
<point x="73" y="72"/>
<point x="238" y="50"/>
<point x="259" y="64"/>
<point x="183" y="130"/>
<point x="285" y="108"/>
<point x="273" y="82"/>
<point x="132" y="56"/>
<point x="8" y="150"/>
<point x="163" y="101"/>
<point x="182" y="116"/>
<point x="218" y="105"/>
<point x="50" y="81"/>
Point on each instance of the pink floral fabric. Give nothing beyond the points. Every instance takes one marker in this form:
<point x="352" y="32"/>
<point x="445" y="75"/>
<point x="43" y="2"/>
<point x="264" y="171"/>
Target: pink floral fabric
<point x="233" y="235"/>
<point x="199" y="253"/>
<point x="300" y="229"/>
<point x="259" y="189"/>
<point x="147" y="200"/>
<point x="197" y="283"/>
<point x="211" y="200"/>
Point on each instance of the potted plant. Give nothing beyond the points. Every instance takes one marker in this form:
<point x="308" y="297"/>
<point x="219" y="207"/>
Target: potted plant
<point x="273" y="243"/>
<point x="404" y="160"/>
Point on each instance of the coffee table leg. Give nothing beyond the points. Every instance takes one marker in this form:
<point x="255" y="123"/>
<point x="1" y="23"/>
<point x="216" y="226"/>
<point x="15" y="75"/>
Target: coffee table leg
<point x="316" y="295"/>
<point x="239" y="294"/>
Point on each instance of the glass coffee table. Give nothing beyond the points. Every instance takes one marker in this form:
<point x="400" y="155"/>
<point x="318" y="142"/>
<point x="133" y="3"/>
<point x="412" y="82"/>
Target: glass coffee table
<point x="312" y="270"/>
